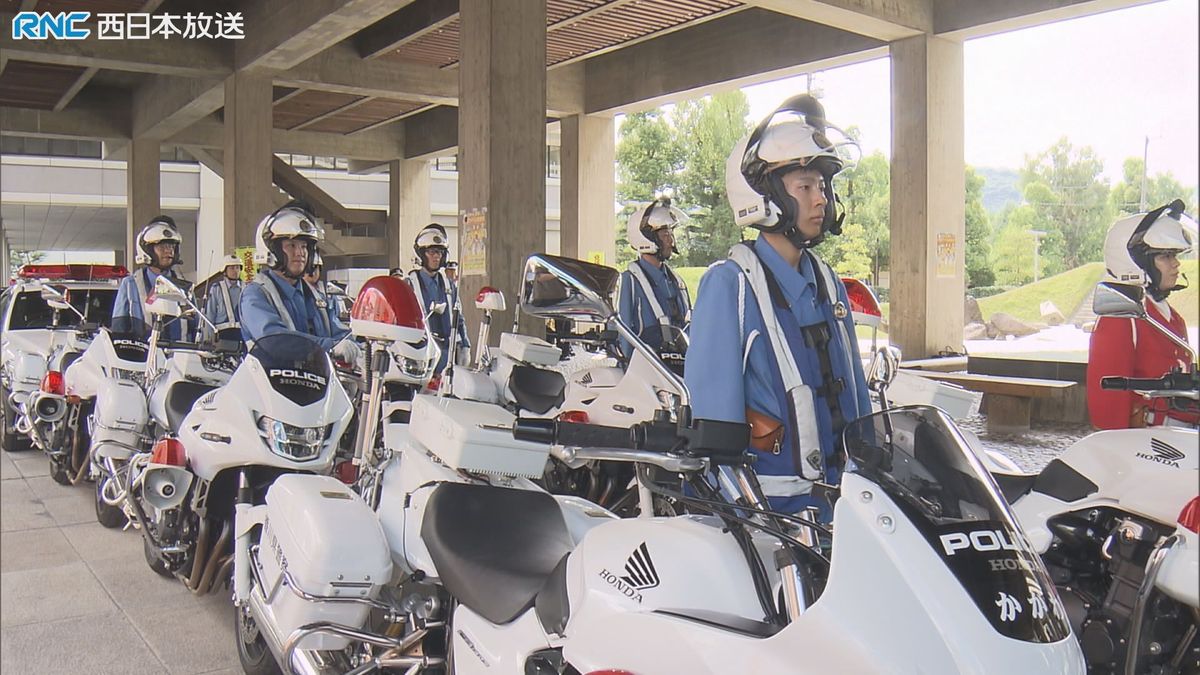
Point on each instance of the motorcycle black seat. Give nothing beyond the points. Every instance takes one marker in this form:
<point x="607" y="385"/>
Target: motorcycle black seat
<point x="535" y="389"/>
<point x="494" y="548"/>
<point x="180" y="399"/>
<point x="1015" y="485"/>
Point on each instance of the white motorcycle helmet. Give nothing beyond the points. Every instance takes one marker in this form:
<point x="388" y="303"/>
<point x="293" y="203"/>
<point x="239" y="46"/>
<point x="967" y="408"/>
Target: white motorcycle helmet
<point x="160" y="229"/>
<point x="431" y="236"/>
<point x="648" y="220"/>
<point x="1133" y="241"/>
<point x="294" y="220"/>
<point x="231" y="261"/>
<point x="795" y="135"/>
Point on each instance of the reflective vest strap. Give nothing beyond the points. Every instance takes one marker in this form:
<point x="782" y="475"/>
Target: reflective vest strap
<point x="272" y="293"/>
<point x="664" y="321"/>
<point x="230" y="320"/>
<point x="322" y="303"/>
<point x="751" y="267"/>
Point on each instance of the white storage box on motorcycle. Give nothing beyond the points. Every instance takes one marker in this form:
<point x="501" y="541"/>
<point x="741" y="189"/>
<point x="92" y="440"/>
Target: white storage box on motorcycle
<point x="910" y="389"/>
<point x="526" y="349"/>
<point x="474" y="436"/>
<point x="331" y="542"/>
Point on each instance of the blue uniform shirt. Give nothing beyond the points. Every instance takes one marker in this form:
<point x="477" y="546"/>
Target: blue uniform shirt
<point x="725" y="377"/>
<point x="129" y="309"/>
<point x="433" y="290"/>
<point x="259" y="318"/>
<point x="636" y="312"/>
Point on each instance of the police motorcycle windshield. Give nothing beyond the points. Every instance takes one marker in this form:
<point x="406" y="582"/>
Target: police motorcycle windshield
<point x="295" y="364"/>
<point x="920" y="459"/>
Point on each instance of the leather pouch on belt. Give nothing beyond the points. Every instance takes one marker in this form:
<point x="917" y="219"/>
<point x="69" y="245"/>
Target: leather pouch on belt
<point x="766" y="432"/>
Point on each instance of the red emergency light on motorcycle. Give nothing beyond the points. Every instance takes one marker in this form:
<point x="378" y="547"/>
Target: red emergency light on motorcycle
<point x="73" y="272"/>
<point x="169" y="451"/>
<point x="387" y="309"/>
<point x="1189" y="517"/>
<point x="489" y="298"/>
<point x="864" y="306"/>
<point x="52" y="383"/>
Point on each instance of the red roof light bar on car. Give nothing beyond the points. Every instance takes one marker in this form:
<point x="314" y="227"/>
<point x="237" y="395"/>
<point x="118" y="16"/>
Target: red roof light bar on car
<point x="74" y="272"/>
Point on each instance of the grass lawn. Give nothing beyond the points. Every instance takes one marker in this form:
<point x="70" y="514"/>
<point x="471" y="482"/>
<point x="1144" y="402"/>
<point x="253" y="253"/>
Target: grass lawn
<point x="1187" y="301"/>
<point x="691" y="277"/>
<point x="1067" y="291"/>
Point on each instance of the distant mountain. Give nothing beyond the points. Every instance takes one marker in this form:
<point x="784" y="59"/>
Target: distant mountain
<point x="999" y="188"/>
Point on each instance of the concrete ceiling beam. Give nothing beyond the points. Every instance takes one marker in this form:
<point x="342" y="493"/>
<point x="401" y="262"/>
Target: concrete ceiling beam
<point x="93" y="117"/>
<point x="288" y="32"/>
<point x="968" y="19"/>
<point x="885" y="21"/>
<point x="382" y="144"/>
<point x="398" y="29"/>
<point x="754" y="45"/>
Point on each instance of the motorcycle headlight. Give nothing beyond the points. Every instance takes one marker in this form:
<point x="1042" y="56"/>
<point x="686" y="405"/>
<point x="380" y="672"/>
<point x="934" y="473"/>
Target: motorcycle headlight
<point x="415" y="367"/>
<point x="293" y="442"/>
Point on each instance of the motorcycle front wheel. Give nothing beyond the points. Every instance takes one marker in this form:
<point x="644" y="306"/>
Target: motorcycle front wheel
<point x="107" y="515"/>
<point x="253" y="653"/>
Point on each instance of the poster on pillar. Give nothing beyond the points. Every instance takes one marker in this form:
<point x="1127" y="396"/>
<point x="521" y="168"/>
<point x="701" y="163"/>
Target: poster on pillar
<point x="947" y="255"/>
<point x="246" y="255"/>
<point x="472" y="242"/>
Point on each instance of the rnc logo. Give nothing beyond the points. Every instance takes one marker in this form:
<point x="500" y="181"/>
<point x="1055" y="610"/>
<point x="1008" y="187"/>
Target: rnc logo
<point x="43" y="25"/>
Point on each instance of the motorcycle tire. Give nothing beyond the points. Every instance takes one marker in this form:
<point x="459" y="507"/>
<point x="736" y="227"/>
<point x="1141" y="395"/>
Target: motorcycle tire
<point x="253" y="653"/>
<point x="155" y="562"/>
<point x="111" y="517"/>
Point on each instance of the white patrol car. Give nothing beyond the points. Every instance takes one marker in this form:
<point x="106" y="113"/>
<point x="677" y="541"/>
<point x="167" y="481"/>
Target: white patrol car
<point x="28" y="324"/>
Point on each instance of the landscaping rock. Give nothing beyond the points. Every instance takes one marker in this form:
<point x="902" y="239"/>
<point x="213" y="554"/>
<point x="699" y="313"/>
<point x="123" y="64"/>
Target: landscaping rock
<point x="1051" y="314"/>
<point x="976" y="330"/>
<point x="971" y="312"/>
<point x="1008" y="324"/>
<point x="992" y="331"/>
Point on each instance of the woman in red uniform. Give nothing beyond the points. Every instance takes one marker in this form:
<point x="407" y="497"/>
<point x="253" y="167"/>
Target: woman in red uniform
<point x="1141" y="249"/>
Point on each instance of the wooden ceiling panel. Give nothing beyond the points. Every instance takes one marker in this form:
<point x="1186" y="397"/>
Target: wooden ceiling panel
<point x="364" y="115"/>
<point x="298" y="109"/>
<point x="24" y="84"/>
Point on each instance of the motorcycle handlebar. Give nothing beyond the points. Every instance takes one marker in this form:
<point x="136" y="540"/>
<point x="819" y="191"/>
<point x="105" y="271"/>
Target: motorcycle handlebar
<point x="1169" y="382"/>
<point x="553" y="432"/>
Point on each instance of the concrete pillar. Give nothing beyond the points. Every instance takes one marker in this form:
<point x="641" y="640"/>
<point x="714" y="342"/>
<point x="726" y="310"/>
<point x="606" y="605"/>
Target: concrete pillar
<point x="588" y="189"/>
<point x="502" y="140"/>
<point x="5" y="269"/>
<point x="928" y="276"/>
<point x="210" y="233"/>
<point x="142" y="190"/>
<point x="247" y="158"/>
<point x="408" y="208"/>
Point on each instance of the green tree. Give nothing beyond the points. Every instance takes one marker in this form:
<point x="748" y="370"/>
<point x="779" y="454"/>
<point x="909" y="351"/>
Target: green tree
<point x="707" y="129"/>
<point x="18" y="258"/>
<point x="1161" y="188"/>
<point x="648" y="161"/>
<point x="978" y="234"/>
<point x="866" y="196"/>
<point x="850" y="253"/>
<point x="1063" y="186"/>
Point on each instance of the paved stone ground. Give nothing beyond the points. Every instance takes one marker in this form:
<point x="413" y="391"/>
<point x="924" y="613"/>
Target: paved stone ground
<point x="1033" y="450"/>
<point x="78" y="598"/>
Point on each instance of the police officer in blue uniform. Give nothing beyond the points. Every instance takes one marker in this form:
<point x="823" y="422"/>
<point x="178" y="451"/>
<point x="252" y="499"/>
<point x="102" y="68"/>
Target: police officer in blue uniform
<point x="157" y="251"/>
<point x="654" y="302"/>
<point x="436" y="290"/>
<point x="224" y="300"/>
<point x="773" y="343"/>
<point x="278" y="300"/>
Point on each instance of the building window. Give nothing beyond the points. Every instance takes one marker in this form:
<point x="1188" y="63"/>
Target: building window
<point x="553" y="161"/>
<point x="44" y="147"/>
<point x="446" y="163"/>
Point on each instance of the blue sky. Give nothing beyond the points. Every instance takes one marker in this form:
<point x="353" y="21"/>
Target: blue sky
<point x="1106" y="81"/>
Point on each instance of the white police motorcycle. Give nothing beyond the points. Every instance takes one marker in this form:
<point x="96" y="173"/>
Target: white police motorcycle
<point x="282" y="411"/>
<point x="1115" y="518"/>
<point x="465" y="567"/>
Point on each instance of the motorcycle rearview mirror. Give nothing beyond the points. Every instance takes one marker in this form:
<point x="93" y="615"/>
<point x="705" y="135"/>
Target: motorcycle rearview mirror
<point x="1127" y="301"/>
<point x="58" y="300"/>
<point x="166" y="289"/>
<point x="885" y="364"/>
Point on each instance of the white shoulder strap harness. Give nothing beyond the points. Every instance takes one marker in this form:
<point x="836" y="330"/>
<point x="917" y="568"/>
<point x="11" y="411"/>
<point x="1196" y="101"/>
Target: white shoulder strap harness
<point x="276" y="301"/>
<point x="139" y="281"/>
<point x="415" y="281"/>
<point x="664" y="321"/>
<point x="801" y="394"/>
